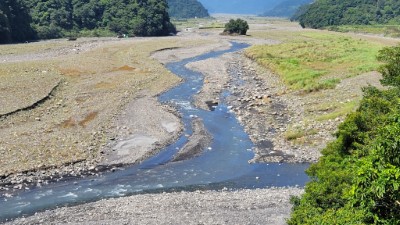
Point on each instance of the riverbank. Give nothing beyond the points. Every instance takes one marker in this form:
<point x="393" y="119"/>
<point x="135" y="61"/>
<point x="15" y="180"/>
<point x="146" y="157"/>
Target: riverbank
<point x="262" y="206"/>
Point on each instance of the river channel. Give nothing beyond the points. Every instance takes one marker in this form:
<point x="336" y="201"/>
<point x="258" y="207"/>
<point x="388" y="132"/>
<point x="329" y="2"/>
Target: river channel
<point x="224" y="164"/>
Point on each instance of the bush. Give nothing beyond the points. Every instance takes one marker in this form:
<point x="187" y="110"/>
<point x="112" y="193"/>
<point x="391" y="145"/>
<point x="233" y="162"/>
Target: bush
<point x="238" y="26"/>
<point x="357" y="180"/>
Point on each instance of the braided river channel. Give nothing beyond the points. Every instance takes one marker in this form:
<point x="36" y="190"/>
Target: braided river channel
<point x="223" y="165"/>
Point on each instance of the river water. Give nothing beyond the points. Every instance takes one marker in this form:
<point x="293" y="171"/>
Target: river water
<point x="224" y="164"/>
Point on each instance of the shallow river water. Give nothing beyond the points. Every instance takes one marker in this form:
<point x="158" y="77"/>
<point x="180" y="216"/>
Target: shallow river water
<point x="224" y="164"/>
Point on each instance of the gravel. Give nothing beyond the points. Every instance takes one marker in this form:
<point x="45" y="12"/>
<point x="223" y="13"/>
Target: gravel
<point x="262" y="206"/>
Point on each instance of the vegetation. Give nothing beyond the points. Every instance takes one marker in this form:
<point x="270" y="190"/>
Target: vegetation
<point x="59" y="18"/>
<point x="357" y="180"/>
<point x="237" y="26"/>
<point x="323" y="13"/>
<point x="317" y="60"/>
<point x="184" y="9"/>
<point x="379" y="29"/>
<point x="15" y="22"/>
<point x="286" y="8"/>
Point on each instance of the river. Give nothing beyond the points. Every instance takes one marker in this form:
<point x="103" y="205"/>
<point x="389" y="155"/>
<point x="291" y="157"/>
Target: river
<point x="224" y="164"/>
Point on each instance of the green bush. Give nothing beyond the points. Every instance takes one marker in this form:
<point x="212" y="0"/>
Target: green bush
<point x="357" y="180"/>
<point x="237" y="26"/>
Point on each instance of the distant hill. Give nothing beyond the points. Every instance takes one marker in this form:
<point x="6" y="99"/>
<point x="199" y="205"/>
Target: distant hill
<point x="286" y="8"/>
<point x="323" y="13"/>
<point x="186" y="9"/>
<point x="22" y="20"/>
<point x="239" y="6"/>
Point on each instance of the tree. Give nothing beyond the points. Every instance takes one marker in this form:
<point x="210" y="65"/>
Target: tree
<point x="237" y="26"/>
<point x="15" y="22"/>
<point x="324" y="13"/>
<point x="391" y="69"/>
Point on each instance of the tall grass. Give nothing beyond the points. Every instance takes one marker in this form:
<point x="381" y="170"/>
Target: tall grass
<point x="379" y="29"/>
<point x="317" y="60"/>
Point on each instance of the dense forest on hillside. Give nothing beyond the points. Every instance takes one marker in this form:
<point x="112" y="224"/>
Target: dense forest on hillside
<point x="15" y="22"/>
<point x="323" y="13"/>
<point x="183" y="9"/>
<point x="357" y="180"/>
<point x="286" y="8"/>
<point x="58" y="18"/>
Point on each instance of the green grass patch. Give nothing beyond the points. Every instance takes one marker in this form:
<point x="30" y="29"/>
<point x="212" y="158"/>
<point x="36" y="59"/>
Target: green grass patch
<point x="200" y="23"/>
<point x="317" y="60"/>
<point x="296" y="133"/>
<point x="340" y="110"/>
<point x="380" y="29"/>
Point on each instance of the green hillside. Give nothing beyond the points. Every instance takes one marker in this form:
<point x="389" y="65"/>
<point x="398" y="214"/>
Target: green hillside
<point x="286" y="8"/>
<point x="59" y="18"/>
<point x="183" y="9"/>
<point x="323" y="13"/>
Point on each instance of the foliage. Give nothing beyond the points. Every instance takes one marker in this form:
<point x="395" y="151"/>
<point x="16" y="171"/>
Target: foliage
<point x="357" y="179"/>
<point x="286" y="8"/>
<point x="14" y="22"/>
<point x="58" y="18"/>
<point x="323" y="13"/>
<point x="237" y="26"/>
<point x="310" y="62"/>
<point x="183" y="9"/>
<point x="391" y="70"/>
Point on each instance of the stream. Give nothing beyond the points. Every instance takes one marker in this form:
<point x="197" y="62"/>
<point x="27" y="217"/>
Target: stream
<point x="224" y="164"/>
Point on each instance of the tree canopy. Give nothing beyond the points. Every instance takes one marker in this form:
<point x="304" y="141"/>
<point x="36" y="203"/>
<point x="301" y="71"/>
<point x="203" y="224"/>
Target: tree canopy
<point x="237" y="26"/>
<point x="357" y="180"/>
<point x="183" y="9"/>
<point x="58" y="18"/>
<point x="323" y="13"/>
<point x="15" y="22"/>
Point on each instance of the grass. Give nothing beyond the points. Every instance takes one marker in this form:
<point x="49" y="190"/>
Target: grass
<point x="297" y="133"/>
<point x="317" y="60"/>
<point x="201" y="23"/>
<point x="379" y="29"/>
<point x="339" y="111"/>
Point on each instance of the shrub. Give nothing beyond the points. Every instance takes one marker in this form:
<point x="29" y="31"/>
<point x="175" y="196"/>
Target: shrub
<point x="238" y="26"/>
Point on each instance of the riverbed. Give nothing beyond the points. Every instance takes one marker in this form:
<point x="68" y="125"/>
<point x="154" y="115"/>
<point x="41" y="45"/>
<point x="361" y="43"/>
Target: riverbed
<point x="223" y="164"/>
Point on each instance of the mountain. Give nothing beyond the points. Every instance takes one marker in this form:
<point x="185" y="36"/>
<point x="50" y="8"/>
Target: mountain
<point x="22" y="20"/>
<point x="186" y="9"/>
<point x="323" y="13"/>
<point x="239" y="6"/>
<point x="286" y="8"/>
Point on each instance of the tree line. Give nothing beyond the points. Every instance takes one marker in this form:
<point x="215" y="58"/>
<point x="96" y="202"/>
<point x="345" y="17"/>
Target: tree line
<point x="22" y="20"/>
<point x="324" y="13"/>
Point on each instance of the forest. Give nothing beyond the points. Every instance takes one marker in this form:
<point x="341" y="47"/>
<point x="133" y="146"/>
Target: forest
<point x="324" y="13"/>
<point x="22" y="20"/>
<point x="183" y="9"/>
